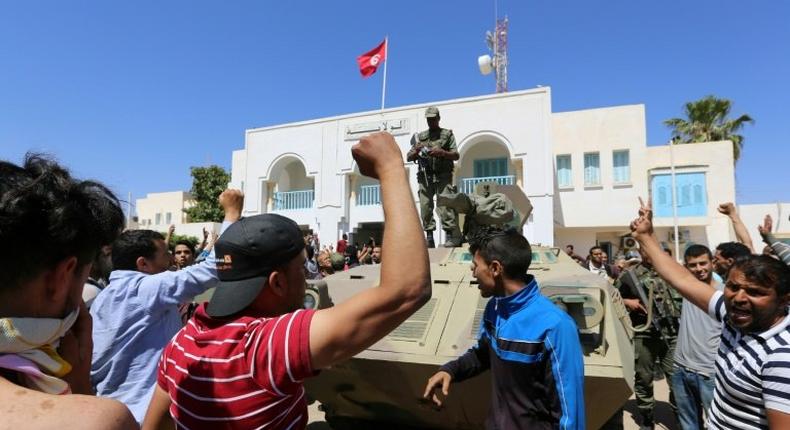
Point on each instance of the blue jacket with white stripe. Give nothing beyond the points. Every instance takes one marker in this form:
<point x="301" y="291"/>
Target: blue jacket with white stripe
<point x="533" y="350"/>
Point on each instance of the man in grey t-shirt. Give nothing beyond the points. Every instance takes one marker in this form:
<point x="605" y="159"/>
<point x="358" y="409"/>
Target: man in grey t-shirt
<point x="695" y="354"/>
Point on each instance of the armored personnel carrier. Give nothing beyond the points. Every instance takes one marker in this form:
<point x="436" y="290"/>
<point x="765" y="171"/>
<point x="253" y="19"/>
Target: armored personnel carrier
<point x="383" y="385"/>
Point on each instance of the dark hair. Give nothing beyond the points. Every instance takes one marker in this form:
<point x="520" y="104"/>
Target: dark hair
<point x="46" y="216"/>
<point x="310" y="252"/>
<point x="508" y="247"/>
<point x="733" y="250"/>
<point x="351" y="253"/>
<point x="697" y="250"/>
<point x="594" y="248"/>
<point x="765" y="271"/>
<point x="345" y="236"/>
<point x="131" y="245"/>
<point x="569" y="246"/>
<point x="186" y="243"/>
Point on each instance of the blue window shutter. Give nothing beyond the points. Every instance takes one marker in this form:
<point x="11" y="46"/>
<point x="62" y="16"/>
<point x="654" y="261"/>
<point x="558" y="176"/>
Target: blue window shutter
<point x="564" y="172"/>
<point x="592" y="172"/>
<point x="661" y="186"/>
<point x="622" y="169"/>
<point x="698" y="200"/>
<point x="690" y="192"/>
<point x="490" y="167"/>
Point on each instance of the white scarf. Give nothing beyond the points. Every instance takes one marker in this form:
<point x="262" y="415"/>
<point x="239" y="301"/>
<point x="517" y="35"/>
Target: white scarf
<point x="600" y="271"/>
<point x="29" y="346"/>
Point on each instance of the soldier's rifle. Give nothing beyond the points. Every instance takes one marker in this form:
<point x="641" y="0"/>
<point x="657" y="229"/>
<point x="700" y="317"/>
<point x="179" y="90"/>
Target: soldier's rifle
<point x="652" y="319"/>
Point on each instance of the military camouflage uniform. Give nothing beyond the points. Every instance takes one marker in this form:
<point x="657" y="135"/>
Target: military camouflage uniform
<point x="435" y="177"/>
<point x="657" y="344"/>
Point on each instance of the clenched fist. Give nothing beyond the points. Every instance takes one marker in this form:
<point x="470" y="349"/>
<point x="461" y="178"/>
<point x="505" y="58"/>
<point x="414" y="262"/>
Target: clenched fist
<point x="377" y="154"/>
<point x="232" y="202"/>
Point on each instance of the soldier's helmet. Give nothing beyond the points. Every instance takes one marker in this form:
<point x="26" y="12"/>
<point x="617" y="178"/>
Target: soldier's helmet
<point x="432" y="112"/>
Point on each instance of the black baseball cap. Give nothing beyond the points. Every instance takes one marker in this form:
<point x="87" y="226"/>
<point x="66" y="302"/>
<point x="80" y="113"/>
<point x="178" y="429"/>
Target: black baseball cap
<point x="246" y="254"/>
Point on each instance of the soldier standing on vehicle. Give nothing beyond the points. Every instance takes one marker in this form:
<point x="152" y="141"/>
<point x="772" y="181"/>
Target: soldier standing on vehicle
<point x="434" y="151"/>
<point x="656" y="344"/>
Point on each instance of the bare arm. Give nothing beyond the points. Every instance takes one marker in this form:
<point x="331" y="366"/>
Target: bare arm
<point x="781" y="249"/>
<point x="777" y="419"/>
<point x="158" y="415"/>
<point x="22" y="408"/>
<point x="741" y="232"/>
<point x="361" y="255"/>
<point x="344" y="330"/>
<point x="203" y="244"/>
<point x="682" y="280"/>
<point x="169" y="234"/>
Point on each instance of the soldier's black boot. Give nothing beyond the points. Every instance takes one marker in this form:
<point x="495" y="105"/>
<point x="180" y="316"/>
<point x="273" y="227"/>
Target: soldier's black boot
<point x="646" y="422"/>
<point x="454" y="239"/>
<point x="429" y="239"/>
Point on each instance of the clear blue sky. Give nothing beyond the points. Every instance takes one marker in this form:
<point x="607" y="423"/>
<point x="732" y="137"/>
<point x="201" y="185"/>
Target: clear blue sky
<point x="134" y="93"/>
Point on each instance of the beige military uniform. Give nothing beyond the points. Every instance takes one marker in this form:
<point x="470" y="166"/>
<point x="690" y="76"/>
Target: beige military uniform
<point x="435" y="176"/>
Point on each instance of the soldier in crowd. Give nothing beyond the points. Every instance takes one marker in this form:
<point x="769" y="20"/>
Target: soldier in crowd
<point x="654" y="339"/>
<point x="435" y="151"/>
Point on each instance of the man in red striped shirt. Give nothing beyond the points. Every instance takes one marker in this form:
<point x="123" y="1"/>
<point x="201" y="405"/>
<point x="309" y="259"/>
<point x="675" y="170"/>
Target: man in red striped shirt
<point x="240" y="361"/>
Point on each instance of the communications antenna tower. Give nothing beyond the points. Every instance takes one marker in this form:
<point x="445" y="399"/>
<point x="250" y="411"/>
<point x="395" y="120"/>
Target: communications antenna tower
<point x="497" y="44"/>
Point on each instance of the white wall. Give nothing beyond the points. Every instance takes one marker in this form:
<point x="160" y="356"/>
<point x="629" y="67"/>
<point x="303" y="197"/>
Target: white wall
<point x="753" y="215"/>
<point x="600" y="130"/>
<point x="238" y="170"/>
<point x="520" y="120"/>
<point x="715" y="159"/>
<point x="162" y="203"/>
<point x="195" y="229"/>
<point x="590" y="211"/>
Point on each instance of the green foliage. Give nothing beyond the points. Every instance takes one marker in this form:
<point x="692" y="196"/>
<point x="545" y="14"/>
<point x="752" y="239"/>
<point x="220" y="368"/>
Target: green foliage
<point x="707" y="121"/>
<point x="207" y="184"/>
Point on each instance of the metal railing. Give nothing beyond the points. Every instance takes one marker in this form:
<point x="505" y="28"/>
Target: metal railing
<point x="293" y="200"/>
<point x="369" y="195"/>
<point x="468" y="184"/>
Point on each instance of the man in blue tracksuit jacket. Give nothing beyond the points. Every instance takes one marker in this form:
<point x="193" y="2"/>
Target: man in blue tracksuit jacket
<point x="531" y="346"/>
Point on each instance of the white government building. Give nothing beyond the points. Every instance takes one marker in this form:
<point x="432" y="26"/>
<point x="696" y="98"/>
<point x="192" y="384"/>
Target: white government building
<point x="583" y="170"/>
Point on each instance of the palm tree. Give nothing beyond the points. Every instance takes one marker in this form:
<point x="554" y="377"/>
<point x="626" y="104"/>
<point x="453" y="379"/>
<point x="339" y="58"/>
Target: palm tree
<point x="707" y="122"/>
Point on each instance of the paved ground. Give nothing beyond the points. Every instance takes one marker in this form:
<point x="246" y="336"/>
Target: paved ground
<point x="664" y="417"/>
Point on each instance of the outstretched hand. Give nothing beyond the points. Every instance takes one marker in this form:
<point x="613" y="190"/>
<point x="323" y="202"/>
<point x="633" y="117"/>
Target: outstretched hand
<point x="439" y="380"/>
<point x="768" y="225"/>
<point x="643" y="225"/>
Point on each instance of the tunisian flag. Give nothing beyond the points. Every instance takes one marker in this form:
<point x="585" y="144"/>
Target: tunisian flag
<point x="369" y="61"/>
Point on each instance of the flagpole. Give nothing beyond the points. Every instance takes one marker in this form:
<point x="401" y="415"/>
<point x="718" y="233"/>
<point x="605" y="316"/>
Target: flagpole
<point x="386" y="60"/>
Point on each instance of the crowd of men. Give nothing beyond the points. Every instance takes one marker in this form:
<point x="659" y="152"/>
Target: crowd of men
<point x="677" y="339"/>
<point x="145" y="355"/>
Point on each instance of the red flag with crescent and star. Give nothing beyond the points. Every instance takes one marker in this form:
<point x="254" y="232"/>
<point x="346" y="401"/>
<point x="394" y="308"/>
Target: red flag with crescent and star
<point x="369" y="62"/>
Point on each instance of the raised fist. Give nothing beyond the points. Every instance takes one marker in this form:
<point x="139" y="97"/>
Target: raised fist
<point x="376" y="154"/>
